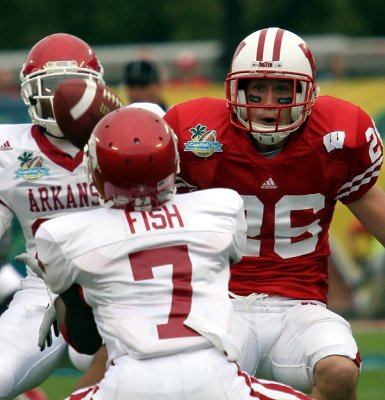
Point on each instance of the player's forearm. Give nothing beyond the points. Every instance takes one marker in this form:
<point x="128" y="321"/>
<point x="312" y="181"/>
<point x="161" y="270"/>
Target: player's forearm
<point x="370" y="210"/>
<point x="95" y="373"/>
<point x="76" y="321"/>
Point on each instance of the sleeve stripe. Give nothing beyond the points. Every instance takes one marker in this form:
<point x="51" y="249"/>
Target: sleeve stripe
<point x="359" y="180"/>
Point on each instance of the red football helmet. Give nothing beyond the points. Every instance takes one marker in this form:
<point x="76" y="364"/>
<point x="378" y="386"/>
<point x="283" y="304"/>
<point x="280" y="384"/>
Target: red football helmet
<point x="278" y="54"/>
<point x="132" y="158"/>
<point x="53" y="59"/>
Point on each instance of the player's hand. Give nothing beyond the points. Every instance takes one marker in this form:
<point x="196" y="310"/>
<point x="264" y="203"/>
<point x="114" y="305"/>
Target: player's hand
<point x="31" y="261"/>
<point x="48" y="324"/>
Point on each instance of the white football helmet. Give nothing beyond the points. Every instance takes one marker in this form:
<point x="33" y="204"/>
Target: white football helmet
<point x="271" y="53"/>
<point x="53" y="59"/>
<point x="155" y="108"/>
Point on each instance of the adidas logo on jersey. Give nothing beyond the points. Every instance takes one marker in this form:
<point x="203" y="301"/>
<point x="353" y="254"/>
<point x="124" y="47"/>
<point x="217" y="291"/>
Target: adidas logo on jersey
<point x="6" y="146"/>
<point x="269" y="184"/>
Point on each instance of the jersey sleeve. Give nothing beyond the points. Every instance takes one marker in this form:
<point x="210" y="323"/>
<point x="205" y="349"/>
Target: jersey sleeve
<point x="59" y="273"/>
<point x="365" y="160"/>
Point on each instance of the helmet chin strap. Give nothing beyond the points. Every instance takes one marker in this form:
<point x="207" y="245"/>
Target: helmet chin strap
<point x="62" y="143"/>
<point x="46" y="132"/>
<point x="265" y="135"/>
<point x="52" y="129"/>
<point x="271" y="138"/>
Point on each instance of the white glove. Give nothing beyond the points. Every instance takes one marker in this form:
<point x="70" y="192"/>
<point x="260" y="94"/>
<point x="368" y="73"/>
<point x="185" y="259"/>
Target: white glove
<point x="49" y="321"/>
<point x="32" y="263"/>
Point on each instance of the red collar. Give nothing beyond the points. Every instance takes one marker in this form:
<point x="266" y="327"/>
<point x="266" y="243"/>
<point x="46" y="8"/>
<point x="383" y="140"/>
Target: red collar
<point x="56" y="155"/>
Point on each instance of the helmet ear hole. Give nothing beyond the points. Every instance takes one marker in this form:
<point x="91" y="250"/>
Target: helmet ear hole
<point x="38" y="108"/>
<point x="296" y="112"/>
<point x="241" y="98"/>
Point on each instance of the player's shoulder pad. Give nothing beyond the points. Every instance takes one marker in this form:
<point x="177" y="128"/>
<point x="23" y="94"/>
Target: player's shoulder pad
<point x="335" y="107"/>
<point x="72" y="223"/>
<point x="17" y="134"/>
<point x="15" y="140"/>
<point x="218" y="196"/>
<point x="339" y="123"/>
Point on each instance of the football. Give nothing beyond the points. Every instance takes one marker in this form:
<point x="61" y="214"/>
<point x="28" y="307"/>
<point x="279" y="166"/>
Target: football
<point x="79" y="104"/>
<point x="36" y="162"/>
<point x="208" y="136"/>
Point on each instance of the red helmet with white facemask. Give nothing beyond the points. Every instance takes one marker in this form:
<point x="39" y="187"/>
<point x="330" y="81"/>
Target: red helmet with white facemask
<point x="278" y="54"/>
<point x="133" y="160"/>
<point x="53" y="59"/>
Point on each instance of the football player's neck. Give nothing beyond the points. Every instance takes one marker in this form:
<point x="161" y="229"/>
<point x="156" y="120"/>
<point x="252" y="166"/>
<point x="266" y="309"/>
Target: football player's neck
<point x="269" y="151"/>
<point x="63" y="145"/>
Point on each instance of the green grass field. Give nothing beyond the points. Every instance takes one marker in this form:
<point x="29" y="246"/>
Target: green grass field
<point x="372" y="347"/>
<point x="371" y="384"/>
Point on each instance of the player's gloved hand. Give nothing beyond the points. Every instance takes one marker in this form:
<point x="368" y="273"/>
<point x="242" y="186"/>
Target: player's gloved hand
<point x="49" y="322"/>
<point x="31" y="261"/>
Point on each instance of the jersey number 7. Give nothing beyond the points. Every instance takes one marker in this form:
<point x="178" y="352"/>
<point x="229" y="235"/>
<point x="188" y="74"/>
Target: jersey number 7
<point x="143" y="262"/>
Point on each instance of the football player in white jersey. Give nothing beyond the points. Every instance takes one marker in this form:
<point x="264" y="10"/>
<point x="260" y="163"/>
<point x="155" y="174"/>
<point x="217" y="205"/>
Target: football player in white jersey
<point x="154" y="268"/>
<point x="41" y="177"/>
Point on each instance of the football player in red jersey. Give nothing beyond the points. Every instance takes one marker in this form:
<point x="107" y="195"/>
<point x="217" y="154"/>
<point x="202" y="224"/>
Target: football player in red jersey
<point x="154" y="267"/>
<point x="291" y="155"/>
<point x="41" y="177"/>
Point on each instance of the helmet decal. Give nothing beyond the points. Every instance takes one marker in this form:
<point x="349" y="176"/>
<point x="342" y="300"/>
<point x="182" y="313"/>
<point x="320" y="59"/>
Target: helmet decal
<point x="304" y="47"/>
<point x="239" y="48"/>
<point x="276" y="48"/>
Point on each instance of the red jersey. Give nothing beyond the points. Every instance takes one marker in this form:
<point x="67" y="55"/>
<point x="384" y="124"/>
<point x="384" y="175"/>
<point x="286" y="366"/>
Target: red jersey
<point x="289" y="198"/>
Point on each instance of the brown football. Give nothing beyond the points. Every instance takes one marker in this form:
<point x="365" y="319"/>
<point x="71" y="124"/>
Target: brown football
<point x="79" y="104"/>
<point x="208" y="136"/>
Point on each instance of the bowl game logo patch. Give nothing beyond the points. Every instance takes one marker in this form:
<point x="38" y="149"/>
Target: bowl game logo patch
<point x="31" y="167"/>
<point x="203" y="142"/>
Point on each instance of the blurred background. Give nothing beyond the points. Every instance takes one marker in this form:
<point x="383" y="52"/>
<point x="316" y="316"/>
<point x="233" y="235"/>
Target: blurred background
<point x="192" y="42"/>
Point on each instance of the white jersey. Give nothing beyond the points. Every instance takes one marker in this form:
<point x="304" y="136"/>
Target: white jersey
<point x="152" y="276"/>
<point x="38" y="181"/>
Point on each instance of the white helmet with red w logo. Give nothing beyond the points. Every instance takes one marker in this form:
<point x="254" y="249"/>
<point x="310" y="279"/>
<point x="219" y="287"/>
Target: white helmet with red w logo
<point x="271" y="53"/>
